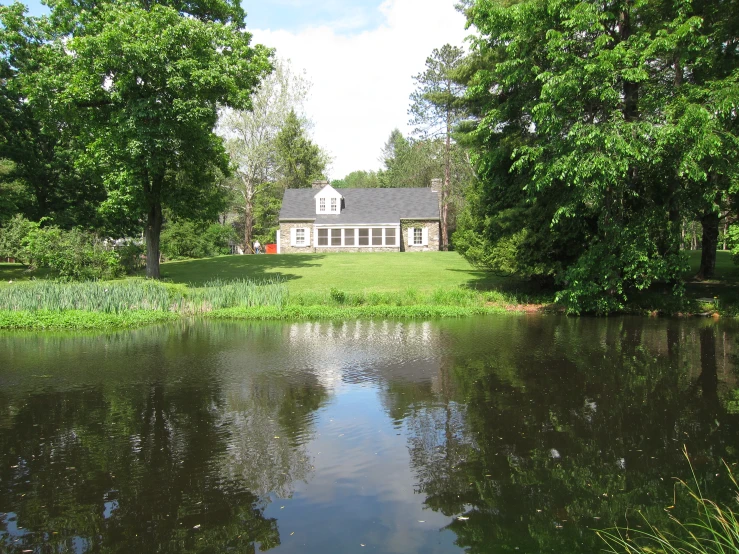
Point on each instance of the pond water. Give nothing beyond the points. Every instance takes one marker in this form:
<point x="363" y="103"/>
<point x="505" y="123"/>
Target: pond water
<point x="494" y="434"/>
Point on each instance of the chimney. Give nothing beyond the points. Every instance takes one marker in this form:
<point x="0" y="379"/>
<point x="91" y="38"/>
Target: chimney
<point x="436" y="187"/>
<point x="319" y="184"/>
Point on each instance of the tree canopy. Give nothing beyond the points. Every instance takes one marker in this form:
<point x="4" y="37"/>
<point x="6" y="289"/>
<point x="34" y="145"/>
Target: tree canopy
<point x="139" y="84"/>
<point x="598" y="127"/>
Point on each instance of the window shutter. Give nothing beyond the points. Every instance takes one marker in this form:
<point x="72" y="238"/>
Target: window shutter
<point x="410" y="236"/>
<point x="424" y="236"/>
<point x="293" y="231"/>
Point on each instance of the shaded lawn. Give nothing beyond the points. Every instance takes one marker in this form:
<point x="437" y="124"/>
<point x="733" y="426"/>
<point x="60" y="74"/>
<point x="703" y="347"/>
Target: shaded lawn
<point x="13" y="272"/>
<point x="725" y="285"/>
<point x="348" y="272"/>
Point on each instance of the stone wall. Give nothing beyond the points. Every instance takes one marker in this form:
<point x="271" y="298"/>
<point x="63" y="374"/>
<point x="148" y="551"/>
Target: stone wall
<point x="285" y="247"/>
<point x="434" y="232"/>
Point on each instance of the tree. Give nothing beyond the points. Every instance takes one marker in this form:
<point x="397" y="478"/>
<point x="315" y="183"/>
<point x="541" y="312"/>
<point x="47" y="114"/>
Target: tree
<point x="436" y="108"/>
<point x="251" y="137"/>
<point x="358" y="179"/>
<point x="587" y="148"/>
<point x="300" y="161"/>
<point x="143" y="81"/>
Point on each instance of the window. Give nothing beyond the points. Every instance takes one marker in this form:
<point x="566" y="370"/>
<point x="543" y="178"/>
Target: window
<point x="364" y="237"/>
<point x="390" y="237"/>
<point x="417" y="236"/>
<point x="322" y="237"/>
<point x="335" y="237"/>
<point x="349" y="237"/>
<point x="333" y="204"/>
<point x="377" y="237"/>
<point x="300" y="237"/>
<point x="321" y="204"/>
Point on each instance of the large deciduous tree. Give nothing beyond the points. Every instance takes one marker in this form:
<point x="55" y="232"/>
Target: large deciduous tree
<point x="597" y="125"/>
<point x="144" y="80"/>
<point x="436" y="108"/>
<point x="251" y="137"/>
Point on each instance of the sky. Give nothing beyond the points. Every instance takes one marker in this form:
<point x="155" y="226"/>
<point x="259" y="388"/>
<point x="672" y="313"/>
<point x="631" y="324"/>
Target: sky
<point x="360" y="56"/>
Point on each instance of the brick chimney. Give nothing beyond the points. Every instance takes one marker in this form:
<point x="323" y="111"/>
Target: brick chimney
<point x="436" y="187"/>
<point x="319" y="184"/>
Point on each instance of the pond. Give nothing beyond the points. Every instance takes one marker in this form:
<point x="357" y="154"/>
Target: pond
<point x="493" y="434"/>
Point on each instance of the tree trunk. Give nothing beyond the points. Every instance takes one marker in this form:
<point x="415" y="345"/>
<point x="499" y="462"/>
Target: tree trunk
<point x="153" y="231"/>
<point x="248" y="214"/>
<point x="249" y="226"/>
<point x="710" y="223"/>
<point x="445" y="185"/>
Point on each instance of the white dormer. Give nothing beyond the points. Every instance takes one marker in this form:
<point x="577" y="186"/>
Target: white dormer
<point x="328" y="201"/>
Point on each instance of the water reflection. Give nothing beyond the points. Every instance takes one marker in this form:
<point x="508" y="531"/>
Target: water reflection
<point x="489" y="434"/>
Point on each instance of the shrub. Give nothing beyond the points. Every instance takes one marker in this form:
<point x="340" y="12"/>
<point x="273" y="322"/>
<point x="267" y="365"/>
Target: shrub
<point x="73" y="255"/>
<point x="190" y="239"/>
<point x="12" y="235"/>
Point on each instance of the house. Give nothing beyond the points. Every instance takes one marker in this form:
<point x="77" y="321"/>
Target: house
<point x="325" y="219"/>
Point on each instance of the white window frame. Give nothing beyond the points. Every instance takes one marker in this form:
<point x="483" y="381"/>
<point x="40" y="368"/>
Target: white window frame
<point x="321" y="204"/>
<point x="334" y="204"/>
<point x="412" y="234"/>
<point x="343" y="234"/>
<point x="294" y="237"/>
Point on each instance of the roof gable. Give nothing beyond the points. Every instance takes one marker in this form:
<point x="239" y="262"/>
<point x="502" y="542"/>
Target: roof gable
<point x="328" y="192"/>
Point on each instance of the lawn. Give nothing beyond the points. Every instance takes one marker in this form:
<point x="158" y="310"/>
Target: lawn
<point x="348" y="272"/>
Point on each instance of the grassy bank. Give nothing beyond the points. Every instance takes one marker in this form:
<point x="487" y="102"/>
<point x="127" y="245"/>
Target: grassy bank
<point x="50" y="305"/>
<point x="321" y="286"/>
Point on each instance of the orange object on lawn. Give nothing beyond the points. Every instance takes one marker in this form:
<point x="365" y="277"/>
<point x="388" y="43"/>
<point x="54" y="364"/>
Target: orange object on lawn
<point x="270" y="248"/>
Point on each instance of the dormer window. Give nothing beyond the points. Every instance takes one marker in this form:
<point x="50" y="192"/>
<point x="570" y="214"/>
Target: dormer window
<point x="328" y="201"/>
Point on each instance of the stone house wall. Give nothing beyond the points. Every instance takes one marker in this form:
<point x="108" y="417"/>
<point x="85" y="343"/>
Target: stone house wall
<point x="433" y="239"/>
<point x="285" y="247"/>
<point x="434" y="235"/>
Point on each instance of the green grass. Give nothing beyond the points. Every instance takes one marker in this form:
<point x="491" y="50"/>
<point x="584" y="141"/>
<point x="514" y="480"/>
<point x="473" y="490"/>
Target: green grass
<point x="350" y="272"/>
<point x="318" y="286"/>
<point x="80" y="320"/>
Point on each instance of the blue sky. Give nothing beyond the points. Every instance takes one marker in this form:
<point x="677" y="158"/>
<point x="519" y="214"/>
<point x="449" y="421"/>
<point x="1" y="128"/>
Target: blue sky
<point x="293" y="15"/>
<point x="360" y="56"/>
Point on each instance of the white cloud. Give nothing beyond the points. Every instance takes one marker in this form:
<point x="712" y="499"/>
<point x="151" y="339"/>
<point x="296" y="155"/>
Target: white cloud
<point x="362" y="81"/>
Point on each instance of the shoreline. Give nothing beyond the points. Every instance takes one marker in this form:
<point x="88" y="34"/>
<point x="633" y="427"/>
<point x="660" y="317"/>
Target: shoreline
<point x="81" y="320"/>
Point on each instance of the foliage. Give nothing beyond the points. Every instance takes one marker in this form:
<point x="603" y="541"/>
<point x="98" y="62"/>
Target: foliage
<point x="191" y="239"/>
<point x="300" y="162"/>
<point x="138" y="85"/>
<point x="251" y="142"/>
<point x="74" y="255"/>
<point x="358" y="180"/>
<point x="714" y="530"/>
<point x="12" y="236"/>
<point x="734" y="237"/>
<point x="595" y="124"/>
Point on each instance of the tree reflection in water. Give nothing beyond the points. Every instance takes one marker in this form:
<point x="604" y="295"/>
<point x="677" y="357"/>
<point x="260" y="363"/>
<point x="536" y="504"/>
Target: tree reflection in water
<point x="167" y="460"/>
<point x="570" y="425"/>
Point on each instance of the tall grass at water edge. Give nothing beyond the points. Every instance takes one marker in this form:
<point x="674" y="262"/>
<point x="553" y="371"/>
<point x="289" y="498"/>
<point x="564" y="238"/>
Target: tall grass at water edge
<point x="714" y="530"/>
<point x="119" y="297"/>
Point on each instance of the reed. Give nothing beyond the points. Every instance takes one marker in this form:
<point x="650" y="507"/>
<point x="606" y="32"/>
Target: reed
<point x="242" y="293"/>
<point x="106" y="297"/>
<point x="715" y="529"/>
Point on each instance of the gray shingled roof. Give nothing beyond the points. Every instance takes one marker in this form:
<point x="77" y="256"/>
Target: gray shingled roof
<point x="370" y="206"/>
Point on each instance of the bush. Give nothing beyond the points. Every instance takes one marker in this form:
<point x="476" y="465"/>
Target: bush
<point x="190" y="239"/>
<point x="12" y="235"/>
<point x="73" y="255"/>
